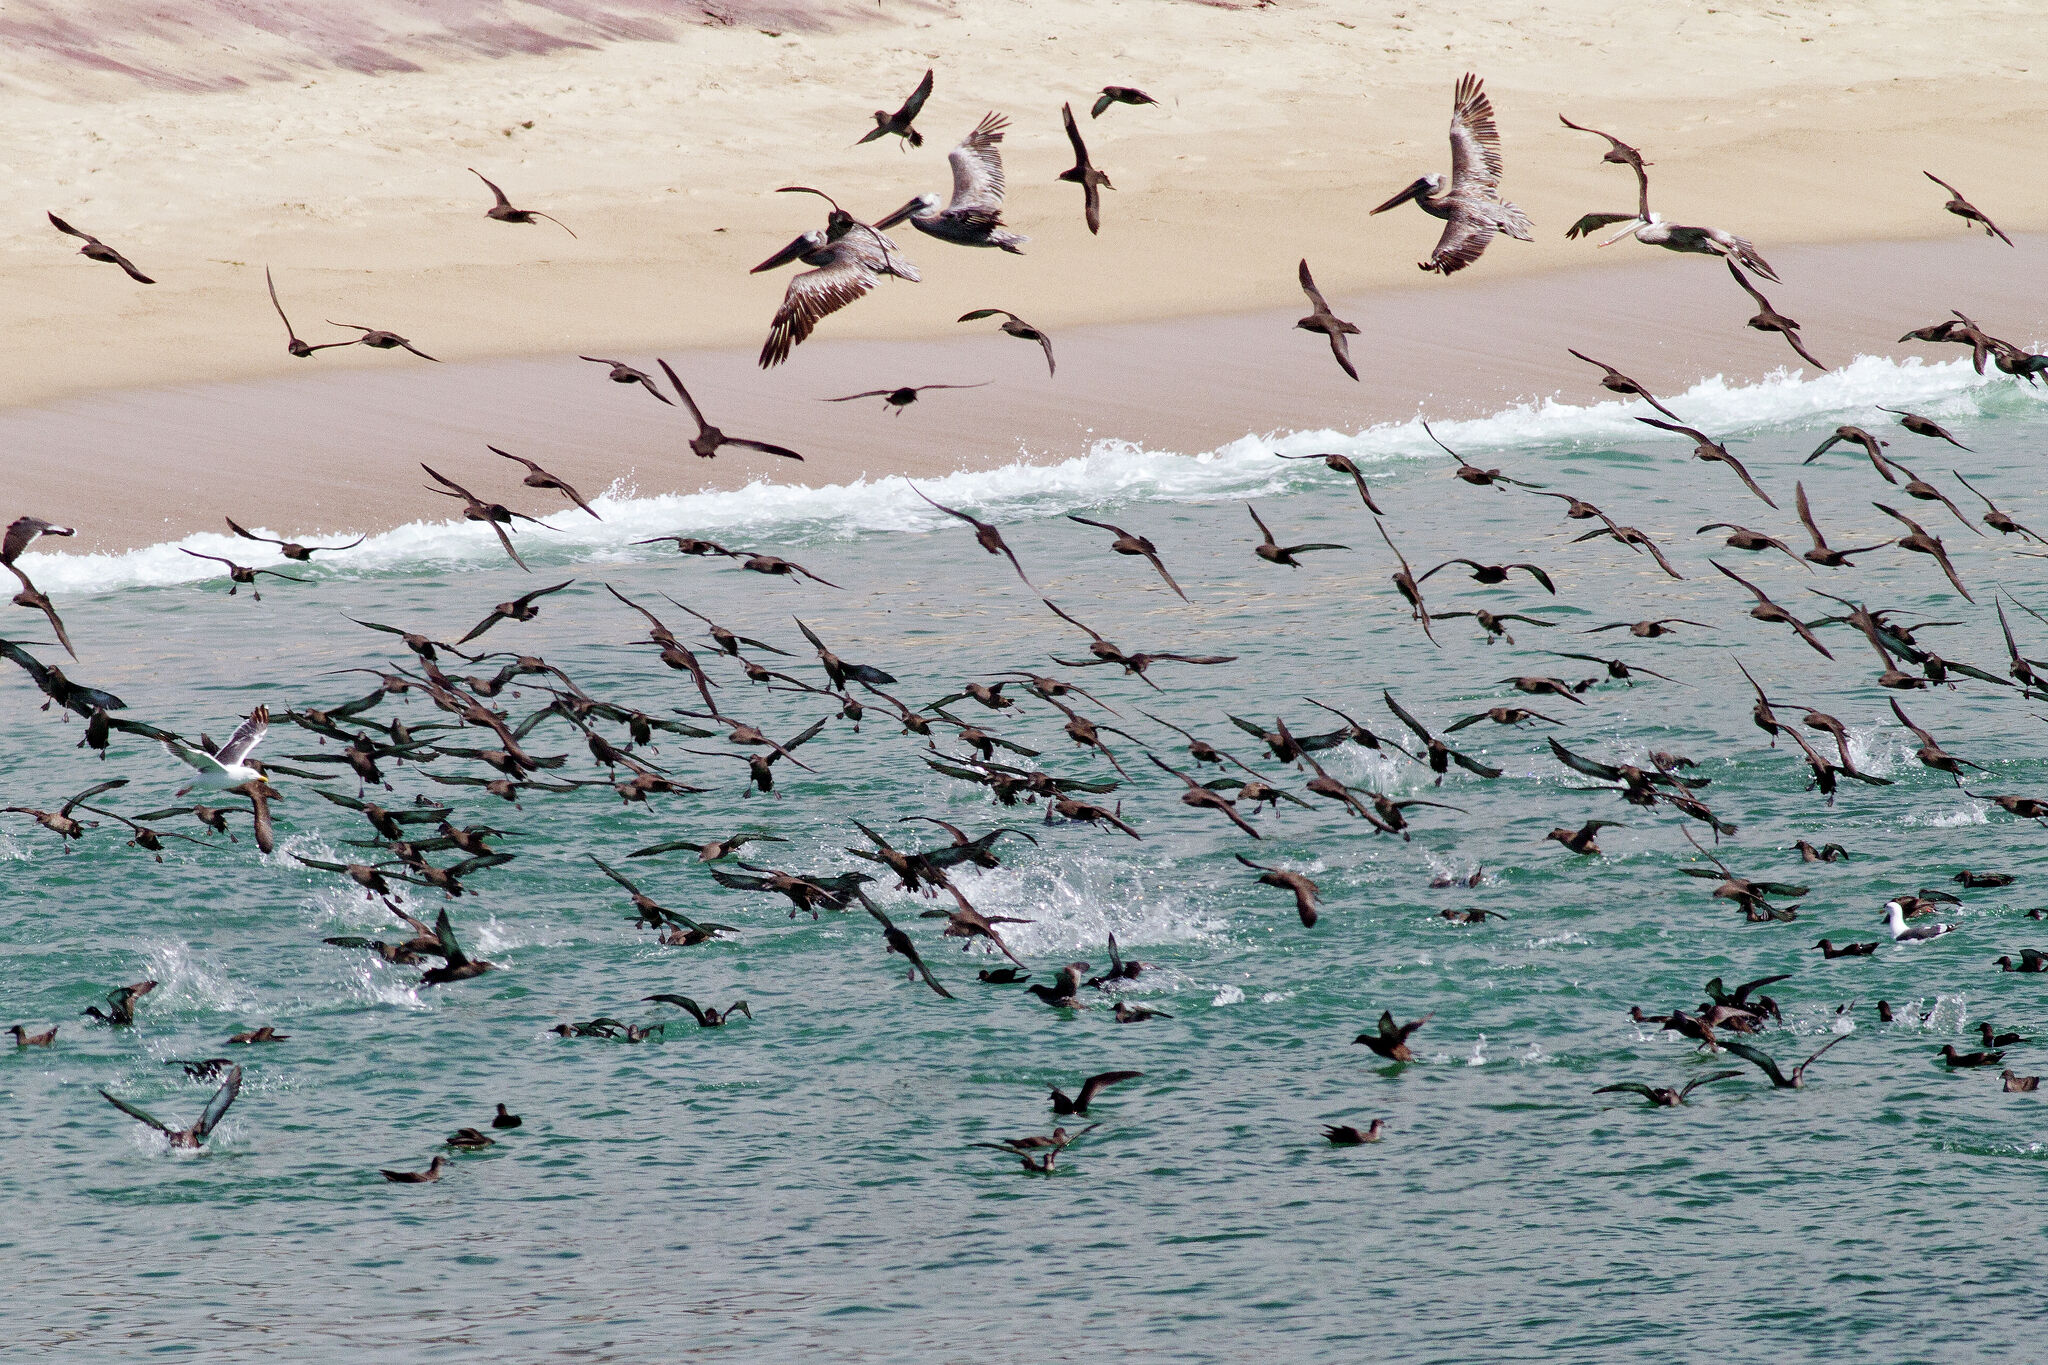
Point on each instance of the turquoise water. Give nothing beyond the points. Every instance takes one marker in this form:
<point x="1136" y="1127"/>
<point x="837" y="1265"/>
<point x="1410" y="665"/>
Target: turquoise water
<point x="801" y="1185"/>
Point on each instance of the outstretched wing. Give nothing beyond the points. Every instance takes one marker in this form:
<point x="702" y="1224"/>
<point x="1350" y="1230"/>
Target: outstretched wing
<point x="1308" y="287"/>
<point x="204" y="762"/>
<point x="1463" y="241"/>
<point x="246" y="737"/>
<point x="978" y="182"/>
<point x="1475" y="143"/>
<point x="444" y="930"/>
<point x="814" y="295"/>
<point x="217" y="1107"/>
<point x="139" y="1115"/>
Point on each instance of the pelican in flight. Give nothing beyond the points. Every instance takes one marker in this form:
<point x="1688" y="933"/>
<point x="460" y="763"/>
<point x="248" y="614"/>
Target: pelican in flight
<point x="848" y="258"/>
<point x="1650" y="229"/>
<point x="228" y="766"/>
<point x="975" y="217"/>
<point x="1471" y="207"/>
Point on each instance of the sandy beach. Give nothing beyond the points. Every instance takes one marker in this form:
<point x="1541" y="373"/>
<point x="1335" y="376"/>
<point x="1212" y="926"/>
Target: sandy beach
<point x="205" y="159"/>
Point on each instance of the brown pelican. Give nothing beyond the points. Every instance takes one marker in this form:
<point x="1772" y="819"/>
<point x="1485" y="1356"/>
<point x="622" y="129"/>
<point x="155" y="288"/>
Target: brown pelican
<point x="975" y="217"/>
<point x="1471" y="207"/>
<point x="900" y="121"/>
<point x="97" y="250"/>
<point x="848" y="258"/>
<point x="1651" y="230"/>
<point x="1336" y="329"/>
<point x="1959" y="206"/>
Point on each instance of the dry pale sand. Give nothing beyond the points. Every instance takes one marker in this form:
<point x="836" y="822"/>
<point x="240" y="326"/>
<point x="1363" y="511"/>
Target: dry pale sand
<point x="1280" y="127"/>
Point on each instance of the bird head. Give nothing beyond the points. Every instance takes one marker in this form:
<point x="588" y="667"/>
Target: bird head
<point x="924" y="203"/>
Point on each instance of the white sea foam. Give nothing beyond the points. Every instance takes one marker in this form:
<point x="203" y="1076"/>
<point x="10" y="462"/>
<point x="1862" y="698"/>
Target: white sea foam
<point x="1112" y="472"/>
<point x="186" y="983"/>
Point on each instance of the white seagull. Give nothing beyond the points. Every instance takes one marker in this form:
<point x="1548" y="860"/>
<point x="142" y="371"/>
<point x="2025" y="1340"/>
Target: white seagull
<point x="230" y="765"/>
<point x="1895" y="920"/>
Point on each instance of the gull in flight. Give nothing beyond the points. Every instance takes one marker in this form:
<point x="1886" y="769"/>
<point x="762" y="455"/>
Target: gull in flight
<point x="230" y="765"/>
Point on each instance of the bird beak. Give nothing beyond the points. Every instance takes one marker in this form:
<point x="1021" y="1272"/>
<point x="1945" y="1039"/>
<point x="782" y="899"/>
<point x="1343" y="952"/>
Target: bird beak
<point x="1413" y="191"/>
<point x="899" y="215"/>
<point x="784" y="256"/>
<point x="1627" y="231"/>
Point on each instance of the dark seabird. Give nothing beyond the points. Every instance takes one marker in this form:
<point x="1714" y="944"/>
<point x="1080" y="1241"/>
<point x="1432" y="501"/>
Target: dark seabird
<point x="1344" y="1135"/>
<point x="1391" y="1042"/>
<point x="1664" y="1097"/>
<point x="899" y="123"/>
<point x="216" y="1109"/>
<point x="429" y="1175"/>
<point x="1062" y="1103"/>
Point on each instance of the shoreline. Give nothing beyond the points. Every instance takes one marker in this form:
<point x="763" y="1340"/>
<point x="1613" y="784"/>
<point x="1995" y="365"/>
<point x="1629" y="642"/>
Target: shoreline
<point x="339" y="453"/>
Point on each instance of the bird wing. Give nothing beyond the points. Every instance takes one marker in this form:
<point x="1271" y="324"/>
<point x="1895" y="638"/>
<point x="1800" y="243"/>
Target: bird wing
<point x="246" y="737"/>
<point x="1749" y="288"/>
<point x="204" y="762"/>
<point x="814" y="295"/>
<point x="1593" y="222"/>
<point x="1463" y="241"/>
<point x="499" y="194"/>
<point x="1074" y="137"/>
<point x="1588" y="766"/>
<point x="1629" y="1087"/>
<point x="684" y="393"/>
<point x="616" y="876"/>
<point x="1475" y="144"/>
<point x="913" y="106"/>
<point x="1744" y="475"/>
<point x="1754" y="590"/>
<point x="978" y="168"/>
<point x="1757" y="1059"/>
<point x="1413" y="724"/>
<point x="217" y="1107"/>
<point x="139" y="1115"/>
<point x="1094" y="1085"/>
<point x="64" y="227"/>
<point x="444" y="930"/>
<point x="1707" y="1079"/>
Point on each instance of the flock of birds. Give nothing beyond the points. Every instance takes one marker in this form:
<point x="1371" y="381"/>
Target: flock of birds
<point x="471" y="742"/>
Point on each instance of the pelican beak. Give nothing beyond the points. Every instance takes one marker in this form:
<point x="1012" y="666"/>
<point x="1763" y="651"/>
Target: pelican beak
<point x="784" y="256"/>
<point x="1413" y="191"/>
<point x="1628" y="230"/>
<point x="899" y="215"/>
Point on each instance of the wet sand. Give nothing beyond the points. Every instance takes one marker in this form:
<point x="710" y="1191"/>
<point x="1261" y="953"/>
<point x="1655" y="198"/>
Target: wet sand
<point x="333" y="451"/>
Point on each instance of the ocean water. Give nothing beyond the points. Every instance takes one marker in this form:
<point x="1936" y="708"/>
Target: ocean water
<point x="801" y="1185"/>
